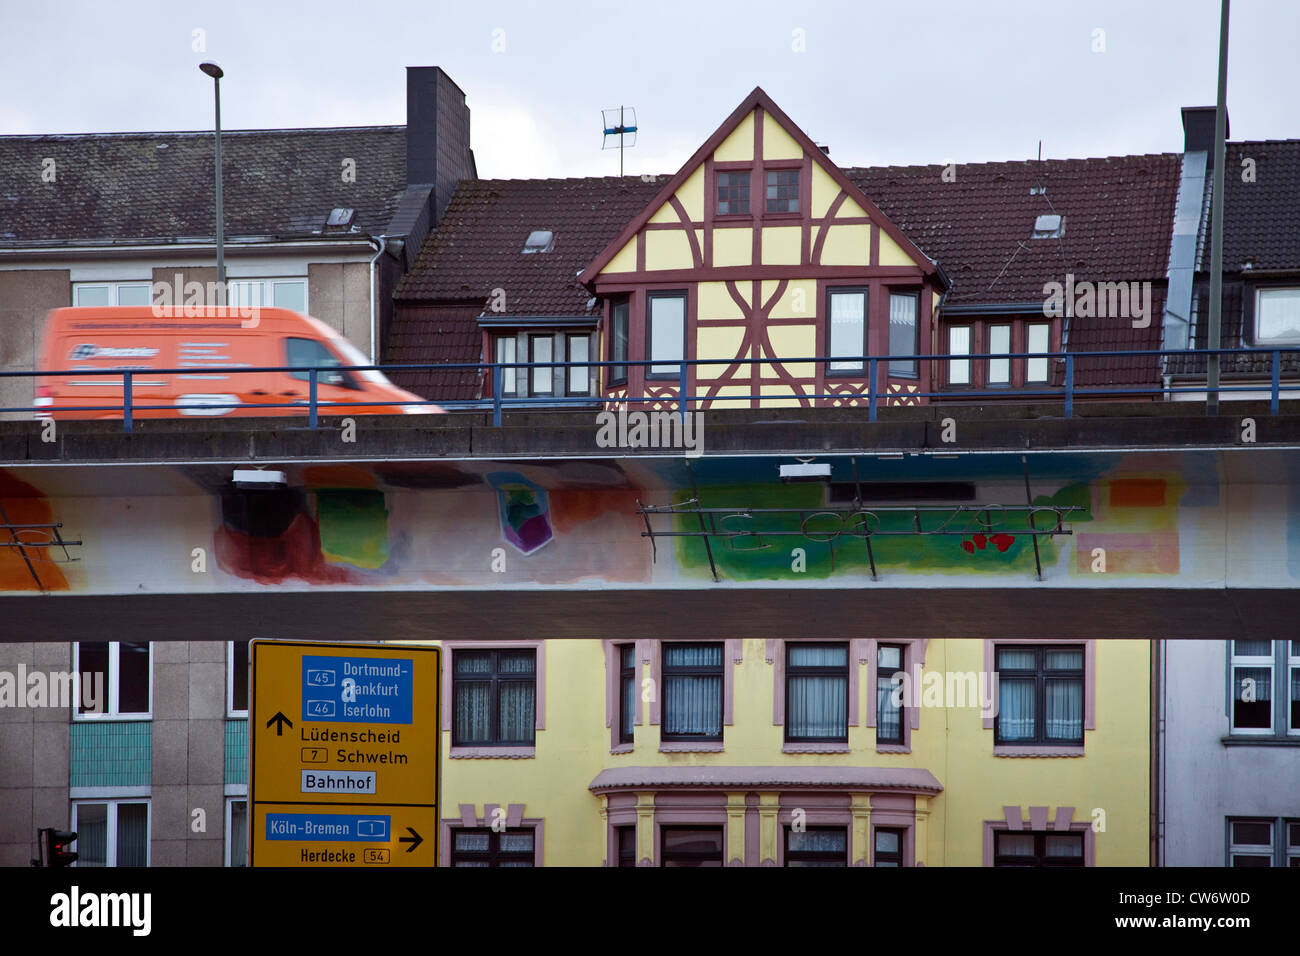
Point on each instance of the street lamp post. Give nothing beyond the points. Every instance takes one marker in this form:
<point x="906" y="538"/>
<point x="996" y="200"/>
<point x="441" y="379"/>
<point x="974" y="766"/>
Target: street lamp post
<point x="214" y="71"/>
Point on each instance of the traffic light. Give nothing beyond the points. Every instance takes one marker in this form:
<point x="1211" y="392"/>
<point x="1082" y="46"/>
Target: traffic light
<point x="56" y="847"/>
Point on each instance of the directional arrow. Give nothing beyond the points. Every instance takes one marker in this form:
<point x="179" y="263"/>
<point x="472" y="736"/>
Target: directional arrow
<point x="279" y="720"/>
<point x="414" y="839"/>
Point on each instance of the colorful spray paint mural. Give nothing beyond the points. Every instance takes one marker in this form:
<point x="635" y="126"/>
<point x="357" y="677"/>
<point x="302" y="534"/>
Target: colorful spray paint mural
<point x="30" y="555"/>
<point x="1131" y="518"/>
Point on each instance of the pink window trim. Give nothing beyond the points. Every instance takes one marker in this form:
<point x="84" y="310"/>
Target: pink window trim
<point x="452" y="646"/>
<point x="775" y="655"/>
<point x="1041" y="819"/>
<point x="1089" y="684"/>
<point x="690" y="747"/>
<point x="492" y="753"/>
<point x="467" y="820"/>
<point x="651" y="652"/>
<point x="612" y="668"/>
<point x="811" y="748"/>
<point x="914" y="651"/>
<point x="1011" y="750"/>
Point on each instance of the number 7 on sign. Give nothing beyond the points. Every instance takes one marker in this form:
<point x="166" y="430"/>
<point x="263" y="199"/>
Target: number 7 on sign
<point x="313" y="755"/>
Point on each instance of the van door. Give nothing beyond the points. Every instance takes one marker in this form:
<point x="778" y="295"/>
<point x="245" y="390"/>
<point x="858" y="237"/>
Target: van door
<point x="333" y="384"/>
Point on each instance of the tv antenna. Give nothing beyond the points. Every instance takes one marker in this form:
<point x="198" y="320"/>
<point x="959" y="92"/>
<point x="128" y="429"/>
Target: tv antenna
<point x="619" y="124"/>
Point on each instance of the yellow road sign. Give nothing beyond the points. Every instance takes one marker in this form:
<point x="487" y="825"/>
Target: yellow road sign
<point x="344" y="761"/>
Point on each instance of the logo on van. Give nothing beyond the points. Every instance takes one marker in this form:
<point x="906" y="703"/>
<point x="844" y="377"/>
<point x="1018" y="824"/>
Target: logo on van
<point x="88" y="351"/>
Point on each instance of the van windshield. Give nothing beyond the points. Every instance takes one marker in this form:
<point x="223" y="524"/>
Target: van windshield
<point x="354" y="356"/>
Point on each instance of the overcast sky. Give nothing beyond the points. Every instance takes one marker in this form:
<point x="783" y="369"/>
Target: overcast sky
<point x="904" y="82"/>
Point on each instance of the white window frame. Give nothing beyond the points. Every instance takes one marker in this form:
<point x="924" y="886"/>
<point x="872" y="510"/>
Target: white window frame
<point x="963" y="364"/>
<point x="112" y="688"/>
<point x="110" y="846"/>
<point x="114" y="289"/>
<point x="1243" y="660"/>
<point x="231" y="800"/>
<point x="230" y="682"/>
<point x="1292" y="665"/>
<point x="267" y="284"/>
<point x="1036" y="369"/>
<point x="1259" y="297"/>
<point x="1005" y="380"/>
<point x="504" y="349"/>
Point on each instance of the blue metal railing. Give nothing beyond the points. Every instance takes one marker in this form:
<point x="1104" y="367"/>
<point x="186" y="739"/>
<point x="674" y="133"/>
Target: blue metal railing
<point x="867" y="373"/>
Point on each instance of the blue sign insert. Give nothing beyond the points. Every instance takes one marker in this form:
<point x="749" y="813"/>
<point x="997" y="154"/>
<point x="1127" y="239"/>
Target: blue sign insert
<point x="328" y="827"/>
<point x="365" y="690"/>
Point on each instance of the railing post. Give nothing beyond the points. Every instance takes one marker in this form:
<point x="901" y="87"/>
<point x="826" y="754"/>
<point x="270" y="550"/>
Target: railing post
<point x="311" y="398"/>
<point x="871" y="390"/>
<point x="1069" y="385"/>
<point x="1277" y="379"/>
<point x="128" y="422"/>
<point x="681" y="392"/>
<point x="497" y="377"/>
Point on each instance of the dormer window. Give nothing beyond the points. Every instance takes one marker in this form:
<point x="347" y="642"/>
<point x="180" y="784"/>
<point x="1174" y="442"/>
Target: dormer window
<point x="539" y="240"/>
<point x="783" y="190"/>
<point x="733" y="194"/>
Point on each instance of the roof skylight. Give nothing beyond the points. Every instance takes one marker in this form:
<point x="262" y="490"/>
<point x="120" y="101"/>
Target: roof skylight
<point x="539" y="240"/>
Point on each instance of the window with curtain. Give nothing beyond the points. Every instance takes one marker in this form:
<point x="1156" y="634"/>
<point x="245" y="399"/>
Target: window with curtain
<point x="1037" y="339"/>
<point x="1277" y="316"/>
<point x="903" y="310"/>
<point x="111" y="833"/>
<point x="666" y="328"/>
<point x="627" y="695"/>
<point x="542" y="349"/>
<point x="889" y="718"/>
<point x="578" y="349"/>
<point x="620" y="315"/>
<point x="1030" y="848"/>
<point x="959" y="343"/>
<point x="816" y="692"/>
<point x="690" y="846"/>
<point x="999" y="369"/>
<point x="484" y="846"/>
<point x="692" y="692"/>
<point x="494" y="696"/>
<point x="1040" y="695"/>
<point x="237" y="848"/>
<point x="504" y="352"/>
<point x="817" y="846"/>
<point x="846" y="332"/>
<point x="888" y="848"/>
<point x="1252" y="686"/>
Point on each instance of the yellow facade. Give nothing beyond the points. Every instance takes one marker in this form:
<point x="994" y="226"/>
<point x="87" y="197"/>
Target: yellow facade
<point x="1106" y="785"/>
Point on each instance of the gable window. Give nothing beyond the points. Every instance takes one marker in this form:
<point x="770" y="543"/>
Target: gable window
<point x="817" y="846"/>
<point x="888" y="850"/>
<point x="690" y="846"/>
<point x="999" y="369"/>
<point x="783" y="190"/>
<point x="483" y="846"/>
<point x="111" y="832"/>
<point x="503" y="353"/>
<point x="666" y="332"/>
<point x="817" y="692"/>
<point x="733" y="194"/>
<point x="889" y="718"/>
<point x="846" y="333"/>
<point x="627" y="696"/>
<point x="494" y="697"/>
<point x="903" y="310"/>
<point x="1277" y="316"/>
<point x="1040" y="695"/>
<point x="620" y="314"/>
<point x="578" y="349"/>
<point x="959" y="344"/>
<point x="541" y="349"/>
<point x="126" y="666"/>
<point x="692" y="690"/>
<point x="1265" y="694"/>
<point x="1028" y="848"/>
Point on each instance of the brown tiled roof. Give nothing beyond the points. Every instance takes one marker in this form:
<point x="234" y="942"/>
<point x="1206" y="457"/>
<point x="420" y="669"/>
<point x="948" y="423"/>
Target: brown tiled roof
<point x="160" y="186"/>
<point x="1118" y="212"/>
<point x="436" y="334"/>
<point x="477" y="247"/>
<point x="1262" y="220"/>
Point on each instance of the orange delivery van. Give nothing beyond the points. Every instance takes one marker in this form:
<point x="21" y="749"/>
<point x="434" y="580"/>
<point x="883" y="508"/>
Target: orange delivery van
<point x="183" y="359"/>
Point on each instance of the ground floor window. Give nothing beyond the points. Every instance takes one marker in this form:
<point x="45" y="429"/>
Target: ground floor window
<point x="1029" y="848"/>
<point x="483" y="846"/>
<point x="237" y="831"/>
<point x="111" y="832"/>
<point x="690" y="846"/>
<point x="888" y="849"/>
<point x="817" y="846"/>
